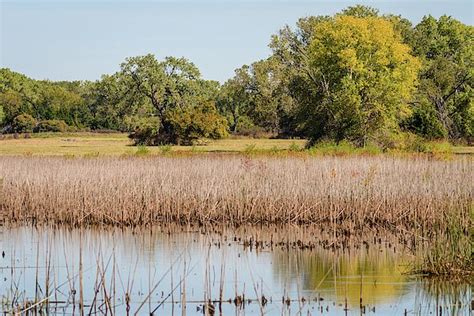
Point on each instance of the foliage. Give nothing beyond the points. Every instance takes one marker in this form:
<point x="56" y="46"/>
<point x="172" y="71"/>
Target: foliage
<point x="181" y="100"/>
<point x="51" y="126"/>
<point x="234" y="98"/>
<point x="146" y="132"/>
<point x="191" y="123"/>
<point x="358" y="76"/>
<point x="2" y="115"/>
<point x="258" y="96"/>
<point x="142" y="150"/>
<point x="444" y="105"/>
<point x="23" y="123"/>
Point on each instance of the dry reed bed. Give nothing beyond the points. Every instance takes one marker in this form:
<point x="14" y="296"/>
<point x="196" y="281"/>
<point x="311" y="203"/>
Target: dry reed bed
<point x="362" y="191"/>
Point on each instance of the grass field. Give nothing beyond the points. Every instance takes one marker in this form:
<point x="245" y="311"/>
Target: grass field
<point x="117" y="144"/>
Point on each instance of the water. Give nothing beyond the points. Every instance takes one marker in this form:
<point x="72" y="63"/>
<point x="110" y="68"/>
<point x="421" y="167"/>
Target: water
<point x="176" y="271"/>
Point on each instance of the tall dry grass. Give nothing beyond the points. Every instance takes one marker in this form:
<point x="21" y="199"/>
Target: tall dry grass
<point x="234" y="190"/>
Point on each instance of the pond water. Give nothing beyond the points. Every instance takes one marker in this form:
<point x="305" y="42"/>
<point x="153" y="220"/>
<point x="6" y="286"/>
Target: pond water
<point x="184" y="271"/>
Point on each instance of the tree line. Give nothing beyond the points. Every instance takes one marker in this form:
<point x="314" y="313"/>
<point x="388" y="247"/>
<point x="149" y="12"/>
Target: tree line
<point x="357" y="76"/>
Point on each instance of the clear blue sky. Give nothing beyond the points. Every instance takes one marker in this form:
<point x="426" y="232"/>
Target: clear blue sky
<point x="72" y="39"/>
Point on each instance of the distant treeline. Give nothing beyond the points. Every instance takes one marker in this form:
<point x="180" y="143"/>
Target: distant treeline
<point x="357" y="76"/>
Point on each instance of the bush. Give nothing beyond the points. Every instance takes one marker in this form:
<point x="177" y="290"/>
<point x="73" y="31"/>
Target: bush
<point x="23" y="123"/>
<point x="189" y="124"/>
<point x="344" y="148"/>
<point x="145" y="132"/>
<point x="424" y="122"/>
<point x="332" y="148"/>
<point x="142" y="150"/>
<point x="181" y="126"/>
<point x="51" y="126"/>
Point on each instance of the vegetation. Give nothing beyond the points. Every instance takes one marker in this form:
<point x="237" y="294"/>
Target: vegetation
<point x="357" y="76"/>
<point x="23" y="123"/>
<point x="149" y="270"/>
<point x="80" y="144"/>
<point x="413" y="193"/>
<point x="355" y="82"/>
<point x="118" y="144"/>
<point x="354" y="77"/>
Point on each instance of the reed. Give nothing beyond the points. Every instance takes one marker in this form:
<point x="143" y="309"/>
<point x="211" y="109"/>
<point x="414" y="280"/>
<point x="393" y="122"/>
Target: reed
<point x="304" y="277"/>
<point x="416" y="193"/>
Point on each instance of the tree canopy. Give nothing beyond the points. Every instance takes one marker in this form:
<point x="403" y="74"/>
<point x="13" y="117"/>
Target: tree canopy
<point x="357" y="76"/>
<point x="357" y="79"/>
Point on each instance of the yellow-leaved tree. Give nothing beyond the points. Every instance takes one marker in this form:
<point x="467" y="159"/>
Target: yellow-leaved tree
<point x="356" y="78"/>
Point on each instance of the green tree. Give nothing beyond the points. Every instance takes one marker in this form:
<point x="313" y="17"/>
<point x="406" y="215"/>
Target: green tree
<point x="361" y="11"/>
<point x="2" y="115"/>
<point x="271" y="99"/>
<point x="234" y="98"/>
<point x="23" y="123"/>
<point x="115" y="104"/>
<point x="12" y="104"/>
<point x="354" y="76"/>
<point x="446" y="47"/>
<point x="55" y="102"/>
<point x="173" y="85"/>
<point x="18" y="94"/>
<point x="197" y="121"/>
<point x="257" y="95"/>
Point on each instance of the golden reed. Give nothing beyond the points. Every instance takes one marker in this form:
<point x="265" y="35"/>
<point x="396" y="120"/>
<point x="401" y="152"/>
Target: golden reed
<point x="234" y="190"/>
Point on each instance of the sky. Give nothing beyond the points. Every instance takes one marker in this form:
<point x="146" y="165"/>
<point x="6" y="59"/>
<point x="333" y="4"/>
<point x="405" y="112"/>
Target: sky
<point x="83" y="39"/>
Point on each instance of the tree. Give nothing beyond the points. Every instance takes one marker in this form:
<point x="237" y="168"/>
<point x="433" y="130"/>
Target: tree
<point x="234" y="98"/>
<point x="43" y="100"/>
<point x="271" y="99"/>
<point x="115" y="104"/>
<point x="2" y="115"/>
<point x="360" y="11"/>
<point x="257" y="96"/>
<point x="197" y="121"/>
<point x="12" y="104"/>
<point x="446" y="47"/>
<point x="55" y="102"/>
<point x="23" y="123"/>
<point x="354" y="80"/>
<point x="18" y="94"/>
<point x="171" y="86"/>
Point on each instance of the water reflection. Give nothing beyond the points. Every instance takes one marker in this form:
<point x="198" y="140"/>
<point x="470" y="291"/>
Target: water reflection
<point x="178" y="270"/>
<point x="375" y="275"/>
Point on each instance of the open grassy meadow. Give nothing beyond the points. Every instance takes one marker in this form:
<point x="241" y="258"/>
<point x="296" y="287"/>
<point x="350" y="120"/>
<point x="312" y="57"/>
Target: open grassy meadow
<point x="117" y="144"/>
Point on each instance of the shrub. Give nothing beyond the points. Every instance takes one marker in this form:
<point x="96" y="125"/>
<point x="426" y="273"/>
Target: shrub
<point x="181" y="126"/>
<point x="165" y="149"/>
<point x="189" y="124"/>
<point x="344" y="148"/>
<point x="23" y="123"/>
<point x="51" y="126"/>
<point x="294" y="147"/>
<point x="332" y="148"/>
<point x="145" y="132"/>
<point x="142" y="150"/>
